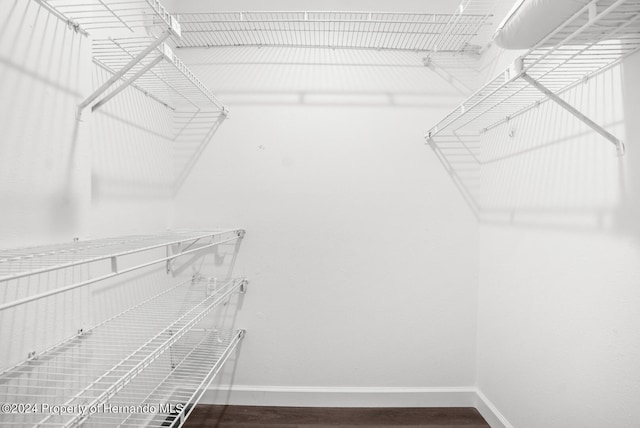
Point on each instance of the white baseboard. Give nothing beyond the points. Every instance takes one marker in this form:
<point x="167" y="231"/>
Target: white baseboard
<point x="340" y="396"/>
<point x="490" y="412"/>
<point x="291" y="396"/>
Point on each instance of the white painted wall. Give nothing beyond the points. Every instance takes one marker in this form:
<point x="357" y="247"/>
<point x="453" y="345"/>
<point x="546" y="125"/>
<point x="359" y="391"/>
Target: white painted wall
<point x="111" y="173"/>
<point x="44" y="163"/>
<point x="361" y="255"/>
<point x="560" y="262"/>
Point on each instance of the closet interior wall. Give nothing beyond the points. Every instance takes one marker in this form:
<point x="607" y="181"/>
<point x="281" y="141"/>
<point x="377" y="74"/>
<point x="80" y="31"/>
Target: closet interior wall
<point x="362" y="255"/>
<point x="560" y="258"/>
<point x="109" y="173"/>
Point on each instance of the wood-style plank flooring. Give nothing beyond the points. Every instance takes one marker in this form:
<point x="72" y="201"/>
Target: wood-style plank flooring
<point x="298" y="417"/>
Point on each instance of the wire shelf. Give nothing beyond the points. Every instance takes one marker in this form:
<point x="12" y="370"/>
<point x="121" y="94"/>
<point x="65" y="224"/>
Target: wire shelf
<point x="109" y="15"/>
<point x="129" y="32"/>
<point x="95" y="366"/>
<point x="174" y="386"/>
<point x="24" y="262"/>
<point x="592" y="41"/>
<point x="168" y="80"/>
<point x="351" y="30"/>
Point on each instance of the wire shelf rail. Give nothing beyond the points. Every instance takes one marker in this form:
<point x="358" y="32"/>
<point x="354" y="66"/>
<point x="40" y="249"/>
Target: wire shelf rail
<point x="332" y="29"/>
<point x="596" y="38"/>
<point x="110" y="252"/>
<point x="94" y="367"/>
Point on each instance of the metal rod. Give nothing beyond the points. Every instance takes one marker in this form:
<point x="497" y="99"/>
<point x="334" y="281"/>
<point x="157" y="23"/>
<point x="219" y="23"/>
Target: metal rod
<point x="144" y="91"/>
<point x="127" y="82"/>
<point x="565" y="105"/>
<point x="119" y="74"/>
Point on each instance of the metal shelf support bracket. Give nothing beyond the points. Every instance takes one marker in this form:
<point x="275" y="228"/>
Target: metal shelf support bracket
<point x="120" y="74"/>
<point x="565" y="105"/>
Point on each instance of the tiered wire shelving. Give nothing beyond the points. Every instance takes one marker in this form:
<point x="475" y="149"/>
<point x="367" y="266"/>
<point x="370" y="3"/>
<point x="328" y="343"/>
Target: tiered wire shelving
<point x="156" y="352"/>
<point x="100" y="366"/>
<point x="332" y="29"/>
<point x="595" y="38"/>
<point x="107" y="258"/>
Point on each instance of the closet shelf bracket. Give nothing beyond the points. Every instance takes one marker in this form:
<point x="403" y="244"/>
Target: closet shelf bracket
<point x="120" y="74"/>
<point x="575" y="112"/>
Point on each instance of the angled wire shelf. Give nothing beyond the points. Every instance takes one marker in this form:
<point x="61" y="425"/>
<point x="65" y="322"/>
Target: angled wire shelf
<point x="107" y="257"/>
<point x="130" y="44"/>
<point x="93" y="368"/>
<point x="89" y="16"/>
<point x="330" y="29"/>
<point x="171" y="386"/>
<point x="597" y="37"/>
<point x="160" y="74"/>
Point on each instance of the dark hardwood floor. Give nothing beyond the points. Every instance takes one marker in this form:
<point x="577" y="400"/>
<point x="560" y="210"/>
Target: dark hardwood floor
<point x="290" y="417"/>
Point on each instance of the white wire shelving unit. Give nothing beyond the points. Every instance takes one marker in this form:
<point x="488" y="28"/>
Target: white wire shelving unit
<point x="152" y="353"/>
<point x="160" y="75"/>
<point x="333" y="29"/>
<point x="598" y="36"/>
<point x="132" y="42"/>
<point x="106" y="258"/>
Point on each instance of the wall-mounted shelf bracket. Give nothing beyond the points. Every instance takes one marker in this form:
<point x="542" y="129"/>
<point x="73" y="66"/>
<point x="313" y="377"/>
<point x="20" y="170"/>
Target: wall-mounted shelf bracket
<point x="243" y="286"/>
<point x="124" y="70"/>
<point x="571" y="109"/>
